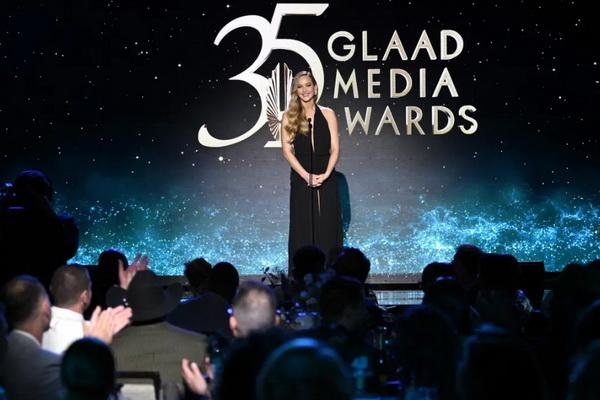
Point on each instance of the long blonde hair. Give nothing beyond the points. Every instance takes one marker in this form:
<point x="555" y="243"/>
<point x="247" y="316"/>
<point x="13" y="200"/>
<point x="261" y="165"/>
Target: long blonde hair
<point x="297" y="121"/>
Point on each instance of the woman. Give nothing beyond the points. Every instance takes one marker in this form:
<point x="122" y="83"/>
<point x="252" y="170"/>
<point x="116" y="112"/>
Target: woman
<point x="310" y="144"/>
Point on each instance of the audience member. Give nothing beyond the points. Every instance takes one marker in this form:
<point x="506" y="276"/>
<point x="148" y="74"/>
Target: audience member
<point x="206" y="312"/>
<point x="466" y="264"/>
<point x="254" y="309"/>
<point x="576" y="288"/>
<point x="88" y="371"/>
<point x="104" y="276"/>
<point x="150" y="343"/>
<point x="344" y="326"/>
<point x="497" y="297"/>
<point x="342" y="303"/>
<point x="33" y="238"/>
<point x="498" y="366"/>
<point x="587" y="329"/>
<point x="435" y="270"/>
<point x="71" y="291"/>
<point x="449" y="297"/>
<point x="308" y="264"/>
<point x="583" y="382"/>
<point x="224" y="280"/>
<point x="427" y="351"/>
<point x="28" y="371"/>
<point x="241" y="364"/>
<point x="304" y="369"/>
<point x="197" y="273"/>
<point x="353" y="263"/>
<point x="308" y="260"/>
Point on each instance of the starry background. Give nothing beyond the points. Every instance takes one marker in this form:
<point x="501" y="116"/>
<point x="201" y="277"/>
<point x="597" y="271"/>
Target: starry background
<point x="107" y="98"/>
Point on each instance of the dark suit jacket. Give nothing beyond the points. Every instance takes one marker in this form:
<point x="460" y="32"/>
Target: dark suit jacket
<point x="206" y="313"/>
<point x="158" y="347"/>
<point x="28" y="371"/>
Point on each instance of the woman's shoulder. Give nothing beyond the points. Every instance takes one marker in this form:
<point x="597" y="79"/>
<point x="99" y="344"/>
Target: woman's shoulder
<point x="327" y="112"/>
<point x="325" y="109"/>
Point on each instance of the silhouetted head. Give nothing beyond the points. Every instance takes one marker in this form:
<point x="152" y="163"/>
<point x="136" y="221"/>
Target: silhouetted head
<point x="33" y="183"/>
<point x="254" y="309"/>
<point x="342" y="301"/>
<point x="466" y="263"/>
<point x="352" y="262"/>
<point x="435" y="270"/>
<point x="499" y="272"/>
<point x="88" y="370"/>
<point x="449" y="297"/>
<point x="304" y="369"/>
<point x="224" y="280"/>
<point x="426" y="349"/>
<point x="497" y="365"/>
<point x="197" y="273"/>
<point x="108" y="265"/>
<point x="576" y="288"/>
<point x="308" y="260"/>
<point x="243" y="361"/>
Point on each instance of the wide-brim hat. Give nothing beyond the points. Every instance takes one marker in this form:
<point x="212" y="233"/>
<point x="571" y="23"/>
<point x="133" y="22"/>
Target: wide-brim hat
<point x="146" y="296"/>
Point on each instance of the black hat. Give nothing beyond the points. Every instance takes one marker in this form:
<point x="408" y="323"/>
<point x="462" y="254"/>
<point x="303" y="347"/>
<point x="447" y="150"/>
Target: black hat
<point x="145" y="295"/>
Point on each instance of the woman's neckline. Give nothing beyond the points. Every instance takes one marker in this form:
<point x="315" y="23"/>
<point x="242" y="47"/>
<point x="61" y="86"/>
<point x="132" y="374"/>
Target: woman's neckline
<point x="314" y="113"/>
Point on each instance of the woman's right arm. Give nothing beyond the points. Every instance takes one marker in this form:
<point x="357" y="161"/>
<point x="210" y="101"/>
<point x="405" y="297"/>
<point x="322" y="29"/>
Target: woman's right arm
<point x="288" y="152"/>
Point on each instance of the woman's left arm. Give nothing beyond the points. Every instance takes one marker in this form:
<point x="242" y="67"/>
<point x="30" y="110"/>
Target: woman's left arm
<point x="334" y="150"/>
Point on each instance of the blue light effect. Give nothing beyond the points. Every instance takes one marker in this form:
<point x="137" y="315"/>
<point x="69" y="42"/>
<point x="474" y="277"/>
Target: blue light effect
<point x="397" y="239"/>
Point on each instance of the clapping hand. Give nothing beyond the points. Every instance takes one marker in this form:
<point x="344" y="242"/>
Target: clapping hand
<point x="139" y="263"/>
<point x="104" y="324"/>
<point x="193" y="378"/>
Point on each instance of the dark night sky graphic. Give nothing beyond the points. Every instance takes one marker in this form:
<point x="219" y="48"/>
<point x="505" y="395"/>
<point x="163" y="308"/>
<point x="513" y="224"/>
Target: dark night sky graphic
<point x="107" y="98"/>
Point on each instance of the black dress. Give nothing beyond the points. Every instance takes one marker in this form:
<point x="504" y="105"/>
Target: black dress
<point x="315" y="217"/>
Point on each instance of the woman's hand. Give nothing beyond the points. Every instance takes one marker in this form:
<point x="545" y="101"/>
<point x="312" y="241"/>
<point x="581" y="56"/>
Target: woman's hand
<point x="319" y="179"/>
<point x="310" y="180"/>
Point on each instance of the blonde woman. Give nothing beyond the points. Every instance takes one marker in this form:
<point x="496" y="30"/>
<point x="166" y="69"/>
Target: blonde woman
<point x="310" y="145"/>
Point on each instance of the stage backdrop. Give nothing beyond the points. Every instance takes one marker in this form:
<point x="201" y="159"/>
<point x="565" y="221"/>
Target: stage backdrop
<point x="459" y="122"/>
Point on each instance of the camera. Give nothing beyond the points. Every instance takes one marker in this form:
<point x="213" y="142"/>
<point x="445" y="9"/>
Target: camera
<point x="8" y="197"/>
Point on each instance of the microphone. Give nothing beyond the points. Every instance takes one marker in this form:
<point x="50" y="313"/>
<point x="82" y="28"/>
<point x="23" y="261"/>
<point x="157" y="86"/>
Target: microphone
<point x="310" y="128"/>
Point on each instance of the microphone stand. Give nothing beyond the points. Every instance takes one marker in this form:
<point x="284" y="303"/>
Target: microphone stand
<point x="310" y="183"/>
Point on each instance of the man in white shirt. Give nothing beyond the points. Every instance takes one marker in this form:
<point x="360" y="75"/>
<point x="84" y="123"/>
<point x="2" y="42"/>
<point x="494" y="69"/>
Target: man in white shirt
<point x="71" y="289"/>
<point x="72" y="292"/>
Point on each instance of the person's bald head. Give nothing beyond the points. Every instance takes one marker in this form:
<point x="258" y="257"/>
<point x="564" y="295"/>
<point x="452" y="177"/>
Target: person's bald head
<point x="254" y="309"/>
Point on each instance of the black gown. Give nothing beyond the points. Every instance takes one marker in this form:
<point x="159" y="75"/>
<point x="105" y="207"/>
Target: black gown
<point x="315" y="217"/>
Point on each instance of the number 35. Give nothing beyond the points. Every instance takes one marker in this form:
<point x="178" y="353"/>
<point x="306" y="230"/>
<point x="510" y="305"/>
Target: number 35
<point x="268" y="33"/>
